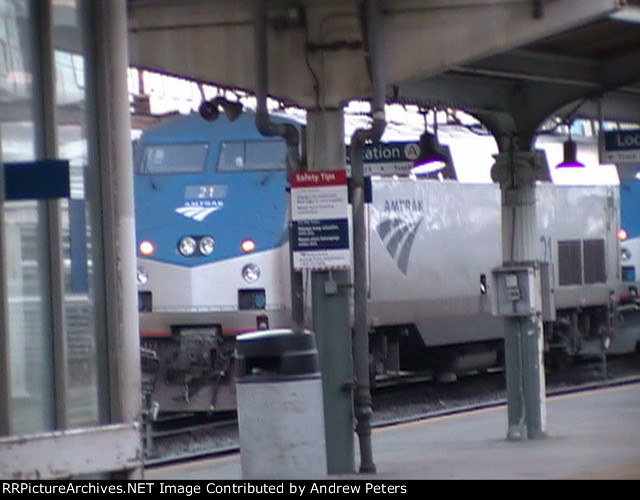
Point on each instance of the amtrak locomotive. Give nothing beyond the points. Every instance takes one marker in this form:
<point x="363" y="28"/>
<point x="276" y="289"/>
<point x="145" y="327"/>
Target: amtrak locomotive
<point x="212" y="214"/>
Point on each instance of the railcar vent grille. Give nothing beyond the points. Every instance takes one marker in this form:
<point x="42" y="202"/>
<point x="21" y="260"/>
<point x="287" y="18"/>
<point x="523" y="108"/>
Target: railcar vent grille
<point x="569" y="263"/>
<point x="581" y="262"/>
<point x="594" y="265"/>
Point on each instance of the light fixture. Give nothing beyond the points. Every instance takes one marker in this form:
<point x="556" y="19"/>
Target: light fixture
<point x="142" y="276"/>
<point x="147" y="248"/>
<point x="206" y="245"/>
<point x="232" y="109"/>
<point x="187" y="246"/>
<point x="570" y="158"/>
<point x="248" y="245"/>
<point x="251" y="273"/>
<point x="570" y="154"/>
<point x="434" y="160"/>
<point x="210" y="110"/>
<point x="432" y="155"/>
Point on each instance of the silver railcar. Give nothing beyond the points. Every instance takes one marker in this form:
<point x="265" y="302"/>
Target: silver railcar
<point x="432" y="247"/>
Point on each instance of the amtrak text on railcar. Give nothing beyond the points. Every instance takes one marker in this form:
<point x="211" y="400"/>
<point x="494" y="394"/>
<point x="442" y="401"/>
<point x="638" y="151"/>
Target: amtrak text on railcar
<point x="403" y="206"/>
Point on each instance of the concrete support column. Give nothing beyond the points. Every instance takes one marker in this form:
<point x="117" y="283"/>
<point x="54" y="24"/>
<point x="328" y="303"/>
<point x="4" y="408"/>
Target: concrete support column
<point x="108" y="75"/>
<point x="5" y="362"/>
<point x="331" y="307"/>
<point x="516" y="171"/>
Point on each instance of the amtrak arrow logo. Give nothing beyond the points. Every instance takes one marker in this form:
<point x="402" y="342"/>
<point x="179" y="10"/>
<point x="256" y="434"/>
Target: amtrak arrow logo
<point x="197" y="212"/>
<point x="397" y="235"/>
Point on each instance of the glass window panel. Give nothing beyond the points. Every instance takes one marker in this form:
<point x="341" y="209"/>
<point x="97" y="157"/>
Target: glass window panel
<point x="266" y="155"/>
<point x="174" y="159"/>
<point x="79" y="302"/>
<point x="252" y="155"/>
<point x="29" y="336"/>
<point x="231" y="156"/>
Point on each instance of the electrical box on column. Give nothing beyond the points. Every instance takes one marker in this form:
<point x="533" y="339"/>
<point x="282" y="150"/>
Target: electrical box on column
<point x="523" y="290"/>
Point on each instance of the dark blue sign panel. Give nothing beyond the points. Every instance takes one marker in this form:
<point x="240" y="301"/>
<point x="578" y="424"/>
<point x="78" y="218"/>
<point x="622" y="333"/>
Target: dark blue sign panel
<point x="389" y="152"/>
<point x="388" y="158"/>
<point x="622" y="140"/>
<point x="326" y="234"/>
<point x="621" y="146"/>
<point x="36" y="180"/>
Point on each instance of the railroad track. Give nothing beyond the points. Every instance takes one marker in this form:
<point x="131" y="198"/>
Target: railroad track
<point x="179" y="437"/>
<point x="394" y="405"/>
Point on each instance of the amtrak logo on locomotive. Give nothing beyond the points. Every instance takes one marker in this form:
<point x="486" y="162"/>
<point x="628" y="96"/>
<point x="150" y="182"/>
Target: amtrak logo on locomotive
<point x="199" y="210"/>
<point x="398" y="233"/>
<point x="202" y="200"/>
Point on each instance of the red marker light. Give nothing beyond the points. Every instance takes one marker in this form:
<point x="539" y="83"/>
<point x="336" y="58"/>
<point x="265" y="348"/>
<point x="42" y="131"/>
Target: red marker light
<point x="147" y="248"/>
<point x="248" y="245"/>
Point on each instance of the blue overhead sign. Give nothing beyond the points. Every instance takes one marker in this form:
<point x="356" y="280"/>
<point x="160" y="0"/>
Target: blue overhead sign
<point x="389" y="158"/>
<point x="36" y="180"/>
<point x="621" y="146"/>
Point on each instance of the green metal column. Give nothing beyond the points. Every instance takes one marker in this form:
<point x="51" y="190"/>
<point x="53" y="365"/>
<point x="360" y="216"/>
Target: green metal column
<point x="330" y="292"/>
<point x="517" y="173"/>
<point x="524" y="368"/>
<point x="533" y="377"/>
<point x="331" y="308"/>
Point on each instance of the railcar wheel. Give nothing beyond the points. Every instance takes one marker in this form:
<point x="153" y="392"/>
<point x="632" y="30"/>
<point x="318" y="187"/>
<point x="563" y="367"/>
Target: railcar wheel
<point x="561" y="359"/>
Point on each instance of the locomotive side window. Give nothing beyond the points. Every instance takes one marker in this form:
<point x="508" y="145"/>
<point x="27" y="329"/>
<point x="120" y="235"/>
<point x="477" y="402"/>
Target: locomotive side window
<point x="594" y="265"/>
<point x="252" y="155"/>
<point x="569" y="262"/>
<point x="173" y="159"/>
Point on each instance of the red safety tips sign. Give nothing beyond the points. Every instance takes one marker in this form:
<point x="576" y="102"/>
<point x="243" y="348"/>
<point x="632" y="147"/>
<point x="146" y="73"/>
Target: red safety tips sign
<point x="320" y="217"/>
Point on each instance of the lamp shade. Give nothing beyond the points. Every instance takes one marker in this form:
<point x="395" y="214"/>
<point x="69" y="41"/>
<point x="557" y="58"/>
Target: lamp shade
<point x="434" y="160"/>
<point x="570" y="158"/>
<point x="209" y="110"/>
<point x="432" y="156"/>
<point x="232" y="110"/>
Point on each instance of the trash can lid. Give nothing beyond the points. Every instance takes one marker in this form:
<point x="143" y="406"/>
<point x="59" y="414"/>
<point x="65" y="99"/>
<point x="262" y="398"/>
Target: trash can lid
<point x="274" y="342"/>
<point x="275" y="353"/>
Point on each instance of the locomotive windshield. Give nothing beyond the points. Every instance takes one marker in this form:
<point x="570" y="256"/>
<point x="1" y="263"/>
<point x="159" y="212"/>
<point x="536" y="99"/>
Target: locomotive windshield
<point x="173" y="159"/>
<point x="252" y="155"/>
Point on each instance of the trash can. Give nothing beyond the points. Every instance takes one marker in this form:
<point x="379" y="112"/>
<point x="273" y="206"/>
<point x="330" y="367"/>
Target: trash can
<point x="280" y="405"/>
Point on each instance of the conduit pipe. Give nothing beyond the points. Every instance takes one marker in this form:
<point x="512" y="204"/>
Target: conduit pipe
<point x="372" y="27"/>
<point x="285" y="130"/>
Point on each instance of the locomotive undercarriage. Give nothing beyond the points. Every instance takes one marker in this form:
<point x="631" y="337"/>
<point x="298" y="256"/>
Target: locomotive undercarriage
<point x="578" y="334"/>
<point x="400" y="351"/>
<point x="191" y="371"/>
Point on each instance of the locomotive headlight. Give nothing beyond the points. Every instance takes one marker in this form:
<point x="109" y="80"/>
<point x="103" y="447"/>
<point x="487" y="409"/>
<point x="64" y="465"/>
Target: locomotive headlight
<point x="142" y="277"/>
<point x="248" y="245"/>
<point x="250" y="273"/>
<point x="146" y="248"/>
<point x="187" y="246"/>
<point x="206" y="245"/>
<point x="625" y="254"/>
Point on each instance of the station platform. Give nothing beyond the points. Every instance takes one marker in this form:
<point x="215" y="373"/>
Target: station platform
<point x="589" y="435"/>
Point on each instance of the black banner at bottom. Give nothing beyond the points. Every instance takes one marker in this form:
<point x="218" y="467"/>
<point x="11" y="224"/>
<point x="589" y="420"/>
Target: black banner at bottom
<point x="296" y="488"/>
